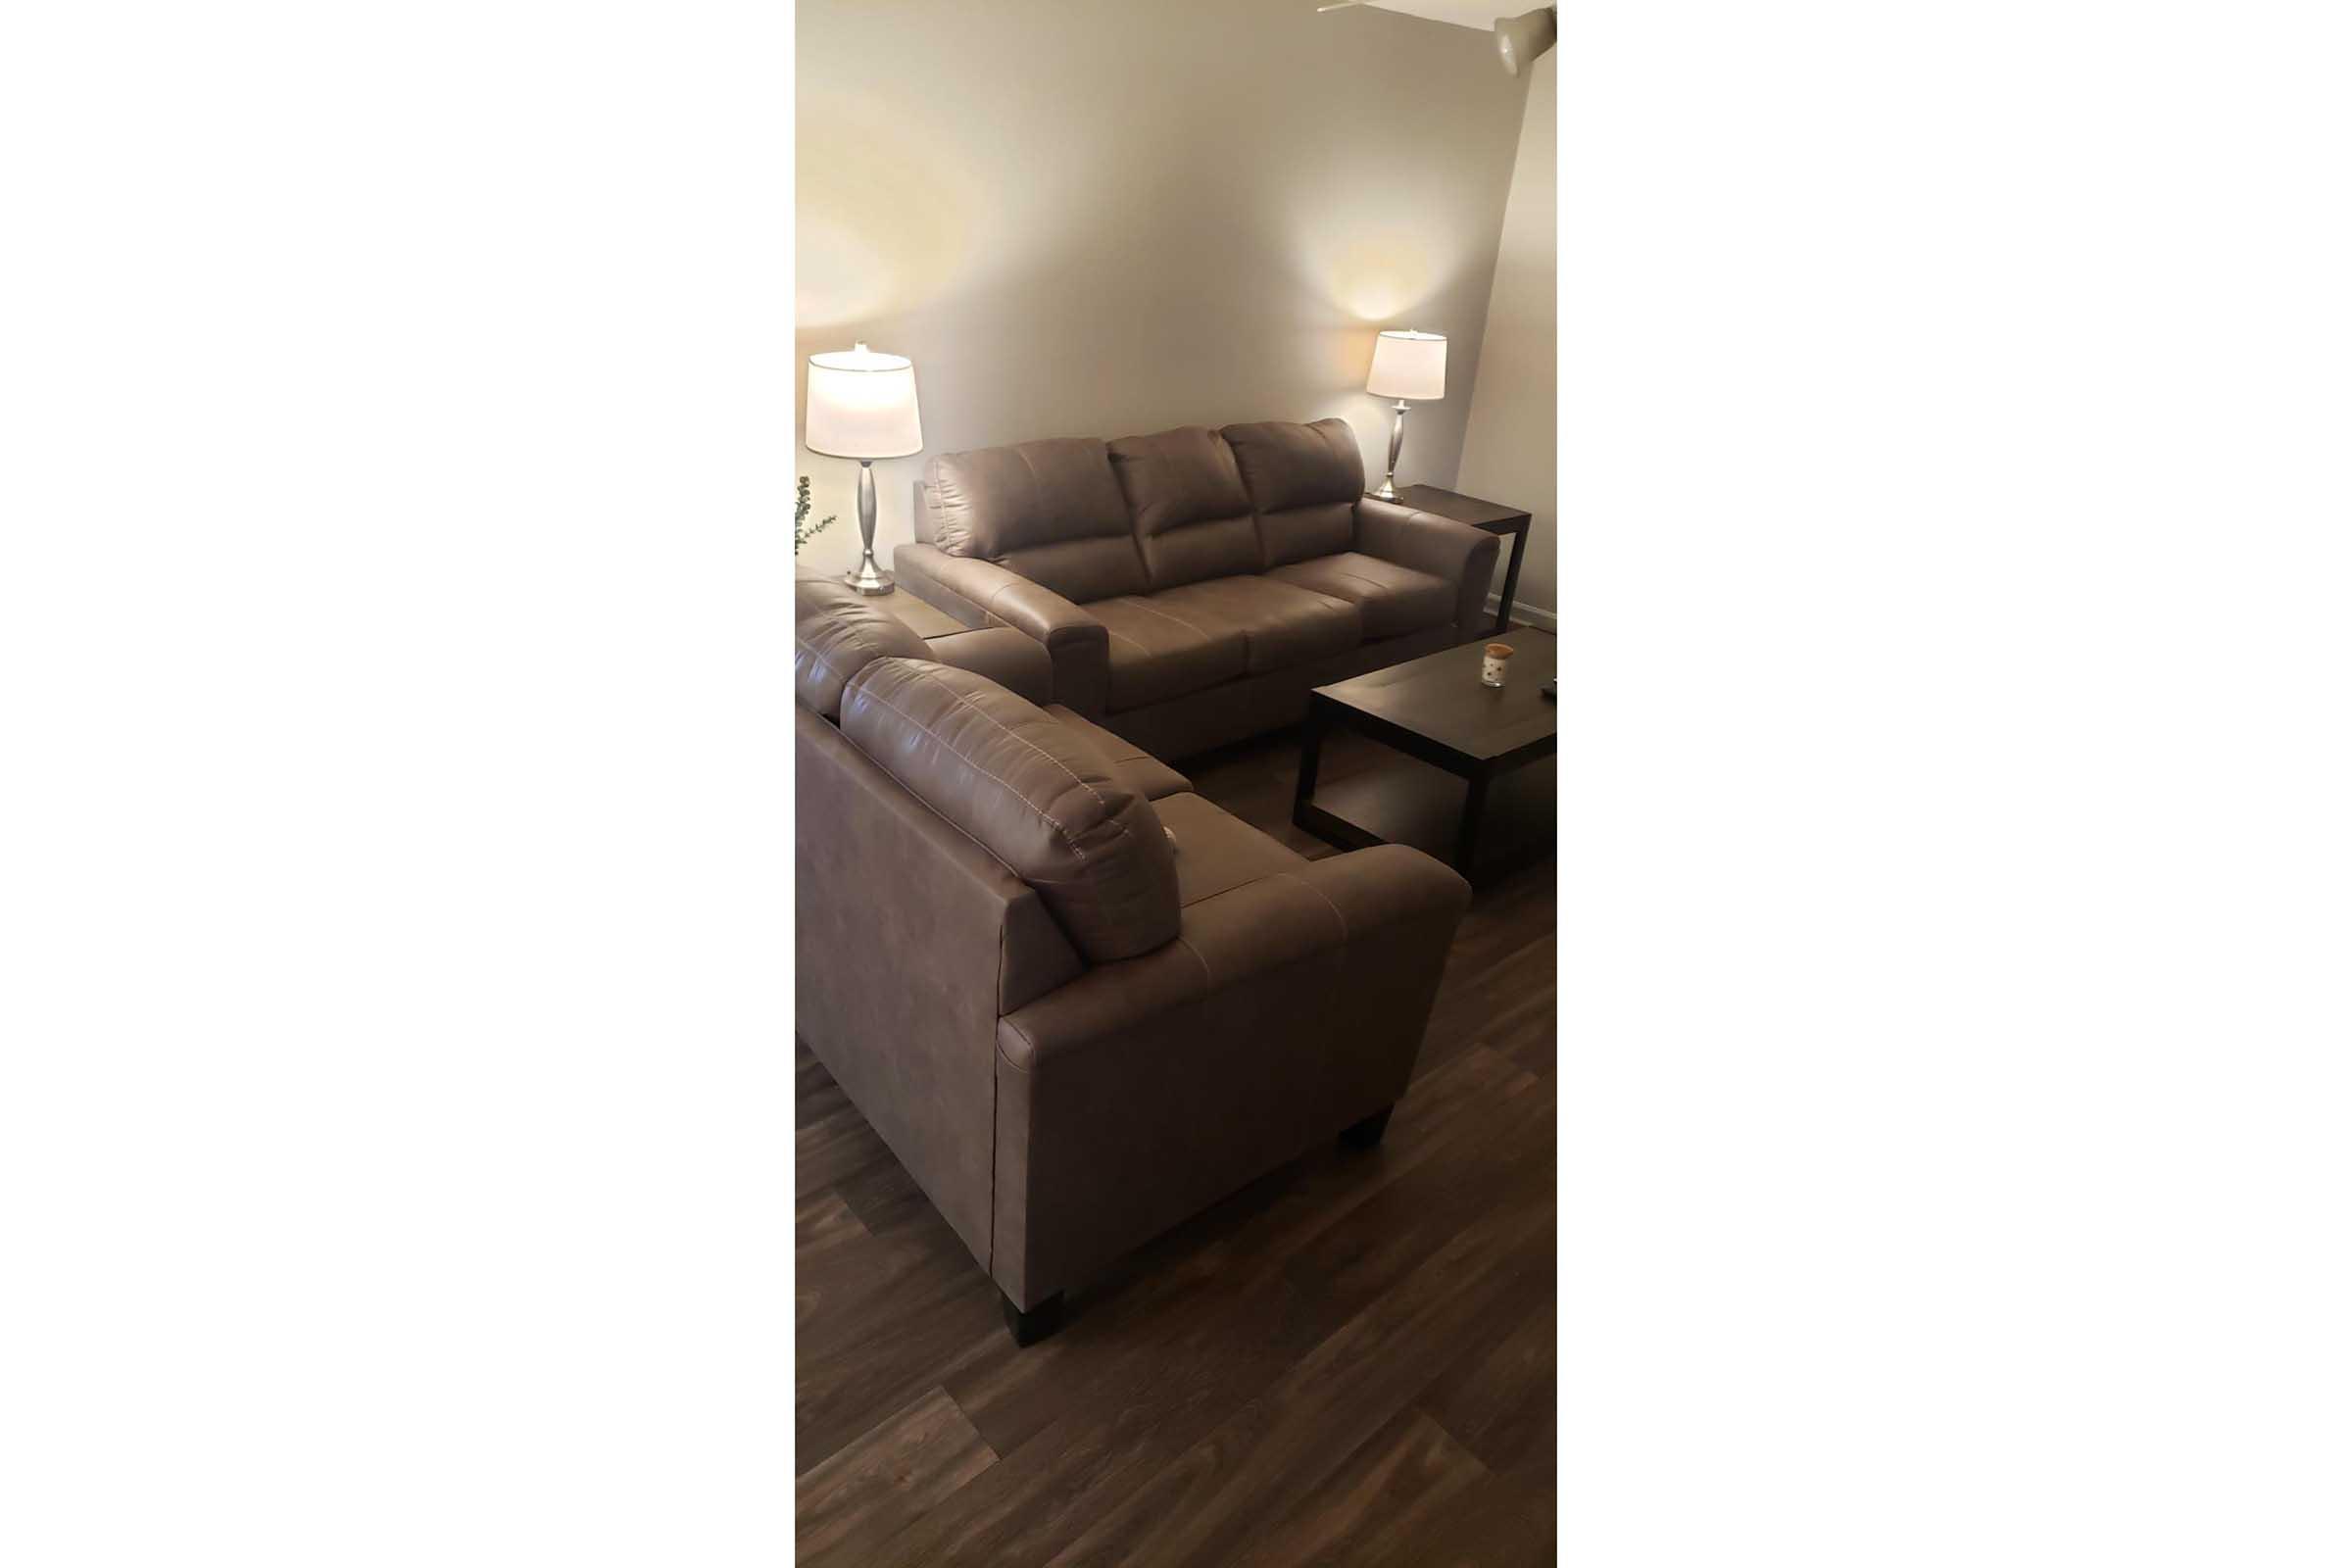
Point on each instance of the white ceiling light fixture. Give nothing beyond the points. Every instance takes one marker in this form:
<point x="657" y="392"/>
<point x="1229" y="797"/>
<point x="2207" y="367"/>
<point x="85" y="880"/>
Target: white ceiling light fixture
<point x="1523" y="40"/>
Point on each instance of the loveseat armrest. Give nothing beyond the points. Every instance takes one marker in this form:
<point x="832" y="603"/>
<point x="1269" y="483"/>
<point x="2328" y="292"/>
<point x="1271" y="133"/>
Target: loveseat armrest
<point x="1144" y="1091"/>
<point x="1344" y="916"/>
<point x="1440" y="545"/>
<point x="981" y="593"/>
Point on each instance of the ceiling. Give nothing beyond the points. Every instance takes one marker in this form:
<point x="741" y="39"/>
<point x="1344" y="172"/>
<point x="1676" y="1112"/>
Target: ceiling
<point x="1479" y="14"/>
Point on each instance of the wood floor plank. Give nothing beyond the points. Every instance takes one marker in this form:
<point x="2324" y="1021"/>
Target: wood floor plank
<point x="836" y="1146"/>
<point x="1266" y="1378"/>
<point x="815" y="1097"/>
<point x="1232" y="1261"/>
<point x="891" y="1475"/>
<point x="823" y="1230"/>
<point x="1211" y="1319"/>
<point x="1202" y="1508"/>
<point x="885" y="1198"/>
<point x="906" y="1328"/>
<point x="1496" y="1400"/>
<point x="1378" y="1499"/>
<point x="1491" y="1524"/>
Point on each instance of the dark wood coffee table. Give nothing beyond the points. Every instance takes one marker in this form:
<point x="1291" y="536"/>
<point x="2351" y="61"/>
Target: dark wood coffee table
<point x="1476" y="781"/>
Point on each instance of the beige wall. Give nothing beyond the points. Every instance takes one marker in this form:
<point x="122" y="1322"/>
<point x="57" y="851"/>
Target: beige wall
<point x="1510" y="452"/>
<point x="1109" y="216"/>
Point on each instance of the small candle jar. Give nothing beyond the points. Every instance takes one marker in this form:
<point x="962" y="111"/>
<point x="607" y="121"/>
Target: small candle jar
<point x="1495" y="665"/>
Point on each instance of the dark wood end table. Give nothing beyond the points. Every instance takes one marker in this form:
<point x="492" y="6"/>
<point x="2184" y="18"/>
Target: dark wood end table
<point x="1491" y="515"/>
<point x="1477" y="767"/>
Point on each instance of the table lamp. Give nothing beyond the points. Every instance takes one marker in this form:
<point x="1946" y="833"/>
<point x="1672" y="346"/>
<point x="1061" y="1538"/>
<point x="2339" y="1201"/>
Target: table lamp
<point x="862" y="404"/>
<point x="1405" y="364"/>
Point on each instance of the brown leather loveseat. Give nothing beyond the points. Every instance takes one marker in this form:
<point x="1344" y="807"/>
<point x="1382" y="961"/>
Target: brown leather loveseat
<point x="1193" y="585"/>
<point x="1078" y="1002"/>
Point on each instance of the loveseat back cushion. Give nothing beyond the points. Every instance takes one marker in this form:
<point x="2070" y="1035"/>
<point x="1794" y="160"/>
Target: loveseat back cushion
<point x="1049" y="511"/>
<point x="1192" y="516"/>
<point x="1303" y="482"/>
<point x="838" y="632"/>
<point x="1029" y="790"/>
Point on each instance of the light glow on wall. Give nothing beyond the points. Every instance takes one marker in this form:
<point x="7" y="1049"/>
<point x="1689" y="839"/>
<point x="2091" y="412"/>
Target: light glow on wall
<point x="884" y="210"/>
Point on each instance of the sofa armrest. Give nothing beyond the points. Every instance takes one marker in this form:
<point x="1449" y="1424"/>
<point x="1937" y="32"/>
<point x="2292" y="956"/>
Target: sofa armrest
<point x="981" y="593"/>
<point x="1440" y="545"/>
<point x="1143" y="1091"/>
<point x="1345" y="916"/>
<point x="1014" y="660"/>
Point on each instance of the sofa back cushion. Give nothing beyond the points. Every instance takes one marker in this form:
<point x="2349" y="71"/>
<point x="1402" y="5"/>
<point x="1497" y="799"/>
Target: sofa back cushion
<point x="1049" y="510"/>
<point x="1303" y="481"/>
<point x="838" y="632"/>
<point x="1192" y="516"/>
<point x="1029" y="790"/>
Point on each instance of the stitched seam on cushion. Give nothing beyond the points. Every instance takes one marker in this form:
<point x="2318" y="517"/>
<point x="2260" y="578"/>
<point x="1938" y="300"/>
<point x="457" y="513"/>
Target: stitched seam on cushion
<point x="1293" y="877"/>
<point x="1008" y="729"/>
<point x="1207" y="974"/>
<point x="1149" y="609"/>
<point x="1066" y="632"/>
<point x="830" y="669"/>
<point x="957" y="827"/>
<point x="994" y="1094"/>
<point x="1051" y="820"/>
<point x="1007" y="1020"/>
<point x="1037" y="487"/>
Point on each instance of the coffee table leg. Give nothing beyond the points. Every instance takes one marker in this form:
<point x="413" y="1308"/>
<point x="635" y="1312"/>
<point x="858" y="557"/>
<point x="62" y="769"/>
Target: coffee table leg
<point x="1310" y="757"/>
<point x="1465" y="842"/>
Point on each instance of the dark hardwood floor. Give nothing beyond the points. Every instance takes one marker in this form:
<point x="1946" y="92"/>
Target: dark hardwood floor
<point x="1349" y="1361"/>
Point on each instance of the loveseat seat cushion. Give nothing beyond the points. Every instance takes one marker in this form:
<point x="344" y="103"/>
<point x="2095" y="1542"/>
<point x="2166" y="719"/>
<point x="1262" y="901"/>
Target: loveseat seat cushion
<point x="1393" y="599"/>
<point x="836" y="632"/>
<point x="1157" y="651"/>
<point x="1217" y="852"/>
<point x="1030" y="790"/>
<point x="1192" y="518"/>
<point x="1303" y="481"/>
<point x="1281" y="623"/>
<point x="1138" y="769"/>
<point x="1050" y="511"/>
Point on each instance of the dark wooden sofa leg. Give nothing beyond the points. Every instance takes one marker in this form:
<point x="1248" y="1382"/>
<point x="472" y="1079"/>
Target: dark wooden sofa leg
<point x="1366" y="1133"/>
<point x="1035" y="1324"/>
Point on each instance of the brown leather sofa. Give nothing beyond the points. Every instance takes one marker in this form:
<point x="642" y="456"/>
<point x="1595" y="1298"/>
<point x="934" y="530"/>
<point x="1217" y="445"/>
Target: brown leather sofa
<point x="1078" y="1002"/>
<point x="1193" y="586"/>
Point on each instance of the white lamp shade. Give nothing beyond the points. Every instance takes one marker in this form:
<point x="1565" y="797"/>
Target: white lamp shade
<point x="1408" y="365"/>
<point x="862" y="404"/>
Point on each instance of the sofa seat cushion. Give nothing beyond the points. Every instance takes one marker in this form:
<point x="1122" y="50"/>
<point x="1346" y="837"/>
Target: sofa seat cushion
<point x="1136" y="767"/>
<point x="1394" y="600"/>
<point x="1157" y="651"/>
<point x="1217" y="852"/>
<point x="1282" y="623"/>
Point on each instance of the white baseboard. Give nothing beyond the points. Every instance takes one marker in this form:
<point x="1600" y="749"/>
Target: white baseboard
<point x="1540" y="620"/>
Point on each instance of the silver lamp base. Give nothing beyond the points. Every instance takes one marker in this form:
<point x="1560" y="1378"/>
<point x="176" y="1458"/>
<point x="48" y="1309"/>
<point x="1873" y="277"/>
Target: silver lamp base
<point x="1388" y="486"/>
<point x="867" y="577"/>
